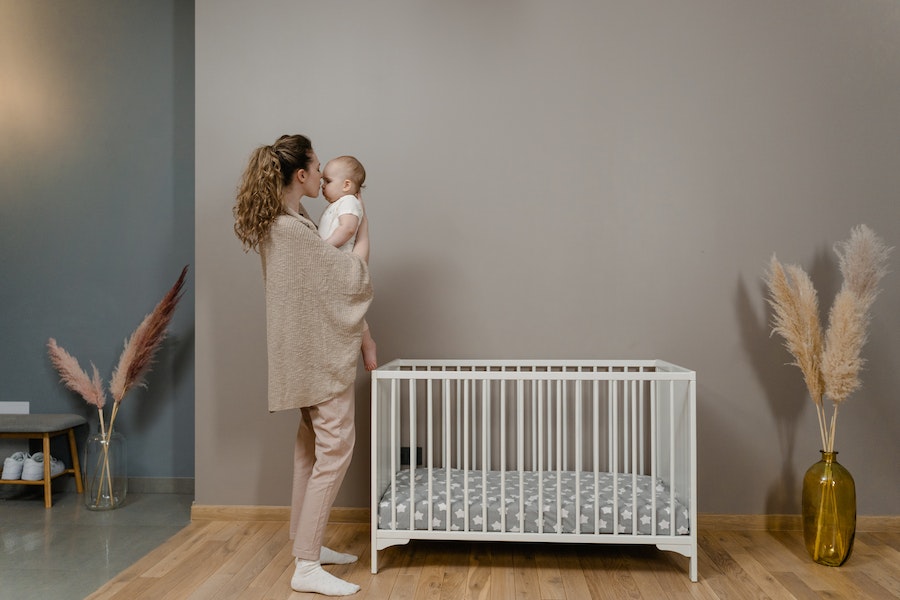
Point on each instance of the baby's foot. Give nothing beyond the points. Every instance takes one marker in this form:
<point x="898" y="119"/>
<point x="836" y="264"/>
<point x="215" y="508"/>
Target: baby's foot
<point x="309" y="576"/>
<point x="327" y="556"/>
<point x="368" y="353"/>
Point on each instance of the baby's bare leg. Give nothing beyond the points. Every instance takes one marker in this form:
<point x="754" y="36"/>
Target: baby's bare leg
<point x="368" y="349"/>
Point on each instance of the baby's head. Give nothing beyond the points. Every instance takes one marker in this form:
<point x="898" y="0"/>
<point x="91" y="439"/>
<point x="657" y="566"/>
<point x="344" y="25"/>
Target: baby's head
<point x="342" y="175"/>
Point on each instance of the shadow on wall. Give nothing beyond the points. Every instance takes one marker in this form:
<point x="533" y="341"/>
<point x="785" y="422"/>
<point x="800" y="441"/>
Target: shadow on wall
<point x="782" y="382"/>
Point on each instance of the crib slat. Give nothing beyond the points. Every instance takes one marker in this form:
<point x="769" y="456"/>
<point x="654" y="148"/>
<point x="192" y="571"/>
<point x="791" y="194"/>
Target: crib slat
<point x="447" y="461"/>
<point x="430" y="444"/>
<point x="610" y="427"/>
<point x="579" y="463"/>
<point x="560" y="428"/>
<point x="641" y="420"/>
<point x="503" y="465"/>
<point x="626" y="429"/>
<point x="672" y="458"/>
<point x="456" y="407"/>
<point x="654" y="414"/>
<point x="614" y="424"/>
<point x="540" y="465"/>
<point x="395" y="436"/>
<point x="596" y="436"/>
<point x="520" y="441"/>
<point x="485" y="447"/>
<point x="634" y="474"/>
<point x="465" y="467"/>
<point x="412" y="454"/>
<point x="534" y="430"/>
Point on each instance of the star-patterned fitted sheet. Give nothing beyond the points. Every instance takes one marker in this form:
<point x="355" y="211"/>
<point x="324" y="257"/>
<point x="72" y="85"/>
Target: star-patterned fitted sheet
<point x="539" y="503"/>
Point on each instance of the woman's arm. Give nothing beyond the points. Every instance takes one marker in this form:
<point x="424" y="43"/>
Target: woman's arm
<point x="361" y="247"/>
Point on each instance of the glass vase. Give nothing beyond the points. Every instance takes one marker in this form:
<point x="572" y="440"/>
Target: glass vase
<point x="106" y="474"/>
<point x="829" y="511"/>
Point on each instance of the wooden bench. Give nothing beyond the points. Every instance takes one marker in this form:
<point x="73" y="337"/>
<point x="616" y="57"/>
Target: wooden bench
<point x="45" y="427"/>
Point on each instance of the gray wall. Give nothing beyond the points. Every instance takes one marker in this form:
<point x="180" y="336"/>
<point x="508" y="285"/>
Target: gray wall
<point x="97" y="208"/>
<point x="562" y="180"/>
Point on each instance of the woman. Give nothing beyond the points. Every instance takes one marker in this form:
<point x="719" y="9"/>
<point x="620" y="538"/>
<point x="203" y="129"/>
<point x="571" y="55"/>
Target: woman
<point x="316" y="298"/>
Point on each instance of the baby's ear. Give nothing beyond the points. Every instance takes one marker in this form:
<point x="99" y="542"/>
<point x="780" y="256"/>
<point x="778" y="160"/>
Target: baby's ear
<point x="348" y="185"/>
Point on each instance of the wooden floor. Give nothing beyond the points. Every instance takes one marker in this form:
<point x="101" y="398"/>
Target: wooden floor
<point x="252" y="560"/>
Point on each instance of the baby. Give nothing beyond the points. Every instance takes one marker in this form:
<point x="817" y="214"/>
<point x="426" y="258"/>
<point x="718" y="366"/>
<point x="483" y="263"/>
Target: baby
<point x="342" y="180"/>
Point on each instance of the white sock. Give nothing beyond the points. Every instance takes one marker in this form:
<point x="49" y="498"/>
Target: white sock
<point x="309" y="576"/>
<point x="332" y="557"/>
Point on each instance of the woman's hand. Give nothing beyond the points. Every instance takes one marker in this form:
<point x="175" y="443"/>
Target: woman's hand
<point x="361" y="248"/>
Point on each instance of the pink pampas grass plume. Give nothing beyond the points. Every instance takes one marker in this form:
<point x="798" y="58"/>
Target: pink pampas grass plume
<point x="74" y="377"/>
<point x="141" y="347"/>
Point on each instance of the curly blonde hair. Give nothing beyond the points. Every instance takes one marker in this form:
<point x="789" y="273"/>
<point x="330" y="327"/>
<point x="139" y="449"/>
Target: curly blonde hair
<point x="260" y="193"/>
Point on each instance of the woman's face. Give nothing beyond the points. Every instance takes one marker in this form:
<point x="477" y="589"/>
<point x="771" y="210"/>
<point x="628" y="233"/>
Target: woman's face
<point x="313" y="182"/>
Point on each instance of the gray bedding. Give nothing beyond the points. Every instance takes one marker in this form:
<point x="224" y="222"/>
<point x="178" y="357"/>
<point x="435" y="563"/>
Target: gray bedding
<point x="535" y="510"/>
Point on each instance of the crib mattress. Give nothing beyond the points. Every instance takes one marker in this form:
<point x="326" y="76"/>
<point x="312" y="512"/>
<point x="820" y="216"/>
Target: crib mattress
<point x="540" y="504"/>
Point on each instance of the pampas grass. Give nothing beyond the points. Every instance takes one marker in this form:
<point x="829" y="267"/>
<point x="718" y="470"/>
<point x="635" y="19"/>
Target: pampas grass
<point x="76" y="379"/>
<point x="831" y="361"/>
<point x="134" y="363"/>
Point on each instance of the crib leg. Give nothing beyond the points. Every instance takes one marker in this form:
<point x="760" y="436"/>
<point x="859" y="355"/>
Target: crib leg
<point x="374" y="559"/>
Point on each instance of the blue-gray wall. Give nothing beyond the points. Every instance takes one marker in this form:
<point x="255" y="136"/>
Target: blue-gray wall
<point x="97" y="207"/>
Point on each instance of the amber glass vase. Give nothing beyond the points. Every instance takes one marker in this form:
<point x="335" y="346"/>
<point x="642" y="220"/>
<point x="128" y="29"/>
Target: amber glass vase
<point x="829" y="511"/>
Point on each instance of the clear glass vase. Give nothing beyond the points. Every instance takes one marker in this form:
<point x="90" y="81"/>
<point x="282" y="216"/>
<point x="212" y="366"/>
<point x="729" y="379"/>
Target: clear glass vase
<point x="105" y="471"/>
<point x="829" y="511"/>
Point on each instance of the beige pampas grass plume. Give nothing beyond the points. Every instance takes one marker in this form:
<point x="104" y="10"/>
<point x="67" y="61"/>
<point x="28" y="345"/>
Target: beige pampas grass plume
<point x="795" y="310"/>
<point x="844" y="340"/>
<point x="74" y="377"/>
<point x="863" y="262"/>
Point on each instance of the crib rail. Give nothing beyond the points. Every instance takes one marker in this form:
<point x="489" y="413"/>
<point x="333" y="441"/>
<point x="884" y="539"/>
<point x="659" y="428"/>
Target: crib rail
<point x="629" y="419"/>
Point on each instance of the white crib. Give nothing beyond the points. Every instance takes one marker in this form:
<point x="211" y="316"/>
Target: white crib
<point x="600" y="452"/>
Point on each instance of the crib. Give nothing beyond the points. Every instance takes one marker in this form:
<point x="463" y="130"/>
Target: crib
<point x="579" y="451"/>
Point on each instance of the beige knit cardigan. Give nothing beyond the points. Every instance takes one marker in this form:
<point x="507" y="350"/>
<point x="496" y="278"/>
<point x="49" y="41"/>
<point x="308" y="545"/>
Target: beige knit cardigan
<point x="316" y="298"/>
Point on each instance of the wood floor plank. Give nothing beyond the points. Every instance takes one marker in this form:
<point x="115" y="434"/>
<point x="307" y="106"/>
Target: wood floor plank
<point x="503" y="577"/>
<point x="478" y="579"/>
<point x="249" y="573"/>
<point x="156" y="587"/>
<point x="726" y="577"/>
<point x="549" y="578"/>
<point x="410" y="572"/>
<point x="210" y="530"/>
<point x="386" y="583"/>
<point x="764" y="578"/>
<point x="266" y="578"/>
<point x="432" y="576"/>
<point x="881" y="564"/>
<point x="604" y="576"/>
<point x="573" y="580"/>
<point x="799" y="589"/>
<point x="527" y="586"/>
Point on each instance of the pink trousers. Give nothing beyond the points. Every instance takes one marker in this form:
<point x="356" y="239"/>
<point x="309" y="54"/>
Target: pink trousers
<point x="322" y="454"/>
